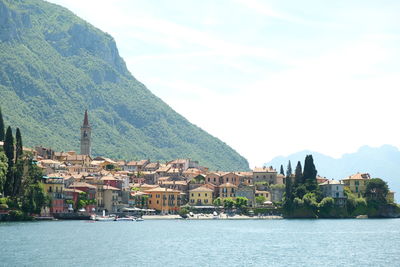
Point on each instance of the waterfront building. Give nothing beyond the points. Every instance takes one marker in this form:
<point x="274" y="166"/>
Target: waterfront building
<point x="335" y="190"/>
<point x="227" y="190"/>
<point x="201" y="196"/>
<point x="247" y="191"/>
<point x="164" y="200"/>
<point x="54" y="186"/>
<point x="357" y="183"/>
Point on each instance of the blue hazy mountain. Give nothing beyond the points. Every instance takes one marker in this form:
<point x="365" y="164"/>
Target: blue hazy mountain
<point x="382" y="162"/>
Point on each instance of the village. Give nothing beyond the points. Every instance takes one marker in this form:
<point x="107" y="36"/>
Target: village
<point x="78" y="183"/>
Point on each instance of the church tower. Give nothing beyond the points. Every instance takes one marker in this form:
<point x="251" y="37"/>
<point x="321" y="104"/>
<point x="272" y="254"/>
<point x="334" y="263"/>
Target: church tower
<point x="86" y="132"/>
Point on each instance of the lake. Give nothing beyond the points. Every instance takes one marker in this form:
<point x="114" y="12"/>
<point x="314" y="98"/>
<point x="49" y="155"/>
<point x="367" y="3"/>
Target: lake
<point x="372" y="242"/>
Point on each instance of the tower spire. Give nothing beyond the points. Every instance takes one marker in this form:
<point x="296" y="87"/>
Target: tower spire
<point x="86" y="120"/>
<point x="86" y="132"/>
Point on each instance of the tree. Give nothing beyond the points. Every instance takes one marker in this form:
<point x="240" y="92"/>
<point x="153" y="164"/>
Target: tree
<point x="229" y="203"/>
<point x="3" y="170"/>
<point x="298" y="174"/>
<point x="2" y="136"/>
<point x="282" y="171"/>
<point x="217" y="202"/>
<point x="18" y="145"/>
<point x="376" y="190"/>
<point x="288" y="188"/>
<point x="310" y="174"/>
<point x="241" y="202"/>
<point x="19" y="163"/>
<point x="326" y="207"/>
<point x="34" y="199"/>
<point x="9" y="152"/>
<point x="260" y="200"/>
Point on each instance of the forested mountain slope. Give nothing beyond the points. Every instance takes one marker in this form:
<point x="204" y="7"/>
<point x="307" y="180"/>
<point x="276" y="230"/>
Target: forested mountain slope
<point x="54" y="65"/>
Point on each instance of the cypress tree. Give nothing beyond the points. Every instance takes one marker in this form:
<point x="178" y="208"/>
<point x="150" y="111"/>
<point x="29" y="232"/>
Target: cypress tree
<point x="289" y="169"/>
<point x="9" y="151"/>
<point x="1" y="127"/>
<point x="282" y="171"/>
<point x="288" y="189"/>
<point x="298" y="174"/>
<point x="19" y="163"/>
<point x="310" y="174"/>
<point x="18" y="145"/>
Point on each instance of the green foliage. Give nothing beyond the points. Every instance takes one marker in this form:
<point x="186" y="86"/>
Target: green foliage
<point x="183" y="212"/>
<point x="326" y="207"/>
<point x="3" y="170"/>
<point x="241" y="202"/>
<point x="281" y="170"/>
<point x="377" y="190"/>
<point x="55" y="65"/>
<point x="260" y="200"/>
<point x="2" y="127"/>
<point x="217" y="202"/>
<point x="9" y="152"/>
<point x="229" y="203"/>
<point x="34" y="199"/>
<point x="298" y="174"/>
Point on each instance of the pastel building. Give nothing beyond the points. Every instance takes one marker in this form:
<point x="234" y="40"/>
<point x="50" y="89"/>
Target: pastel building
<point x="357" y="183"/>
<point x="165" y="200"/>
<point x="201" y="196"/>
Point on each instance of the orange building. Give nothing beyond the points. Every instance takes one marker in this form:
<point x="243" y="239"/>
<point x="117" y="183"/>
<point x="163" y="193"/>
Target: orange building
<point x="164" y="199"/>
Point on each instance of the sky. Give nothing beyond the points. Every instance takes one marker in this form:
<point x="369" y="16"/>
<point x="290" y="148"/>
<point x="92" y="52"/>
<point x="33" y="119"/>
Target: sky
<point x="268" y="78"/>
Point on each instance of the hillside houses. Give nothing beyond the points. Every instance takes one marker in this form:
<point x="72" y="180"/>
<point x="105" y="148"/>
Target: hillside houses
<point x="79" y="182"/>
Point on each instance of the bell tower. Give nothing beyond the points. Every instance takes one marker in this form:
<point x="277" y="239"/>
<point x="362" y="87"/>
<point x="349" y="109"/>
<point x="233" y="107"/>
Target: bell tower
<point x="86" y="132"/>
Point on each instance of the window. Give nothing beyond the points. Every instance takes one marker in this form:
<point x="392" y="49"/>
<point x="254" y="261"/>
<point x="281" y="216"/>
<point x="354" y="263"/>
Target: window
<point x="192" y="195"/>
<point x="205" y="194"/>
<point x="214" y="180"/>
<point x="356" y="188"/>
<point x="206" y="201"/>
<point x="199" y="194"/>
<point x="158" y="202"/>
<point x="149" y="201"/>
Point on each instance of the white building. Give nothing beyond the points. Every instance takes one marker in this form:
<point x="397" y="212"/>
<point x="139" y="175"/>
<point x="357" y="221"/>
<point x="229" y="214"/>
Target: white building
<point x="335" y="190"/>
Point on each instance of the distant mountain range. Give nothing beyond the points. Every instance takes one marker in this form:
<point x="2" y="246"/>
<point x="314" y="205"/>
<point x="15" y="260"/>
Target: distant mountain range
<point x="54" y="65"/>
<point x="382" y="162"/>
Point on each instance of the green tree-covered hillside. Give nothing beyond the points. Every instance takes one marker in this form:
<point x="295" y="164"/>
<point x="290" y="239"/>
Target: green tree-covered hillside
<point x="53" y="66"/>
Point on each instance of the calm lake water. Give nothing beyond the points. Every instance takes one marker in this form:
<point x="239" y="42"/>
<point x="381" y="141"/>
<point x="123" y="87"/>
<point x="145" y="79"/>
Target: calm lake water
<point x="202" y="243"/>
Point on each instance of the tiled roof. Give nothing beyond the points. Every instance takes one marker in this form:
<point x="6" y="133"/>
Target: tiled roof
<point x="358" y="176"/>
<point x="228" y="185"/>
<point x="201" y="189"/>
<point x="160" y="189"/>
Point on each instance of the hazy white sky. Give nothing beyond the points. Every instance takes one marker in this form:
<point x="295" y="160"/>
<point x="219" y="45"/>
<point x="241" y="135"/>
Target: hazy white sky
<point x="268" y="78"/>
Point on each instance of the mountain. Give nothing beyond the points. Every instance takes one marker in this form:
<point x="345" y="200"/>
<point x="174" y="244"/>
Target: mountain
<point x="54" y="65"/>
<point x="382" y="162"/>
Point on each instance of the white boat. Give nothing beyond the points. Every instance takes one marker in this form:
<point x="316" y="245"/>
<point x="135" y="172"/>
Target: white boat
<point x="104" y="218"/>
<point x="139" y="220"/>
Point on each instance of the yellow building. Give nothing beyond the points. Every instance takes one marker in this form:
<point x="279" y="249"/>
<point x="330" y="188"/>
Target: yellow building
<point x="201" y="196"/>
<point x="54" y="187"/>
<point x="357" y="183"/>
<point x="227" y="190"/>
<point x="164" y="199"/>
<point x="390" y="197"/>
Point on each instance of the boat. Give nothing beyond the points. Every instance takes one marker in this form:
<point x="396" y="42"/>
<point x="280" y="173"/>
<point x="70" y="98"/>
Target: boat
<point x="104" y="218"/>
<point x="215" y="215"/>
<point x="125" y="219"/>
<point x="139" y="219"/>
